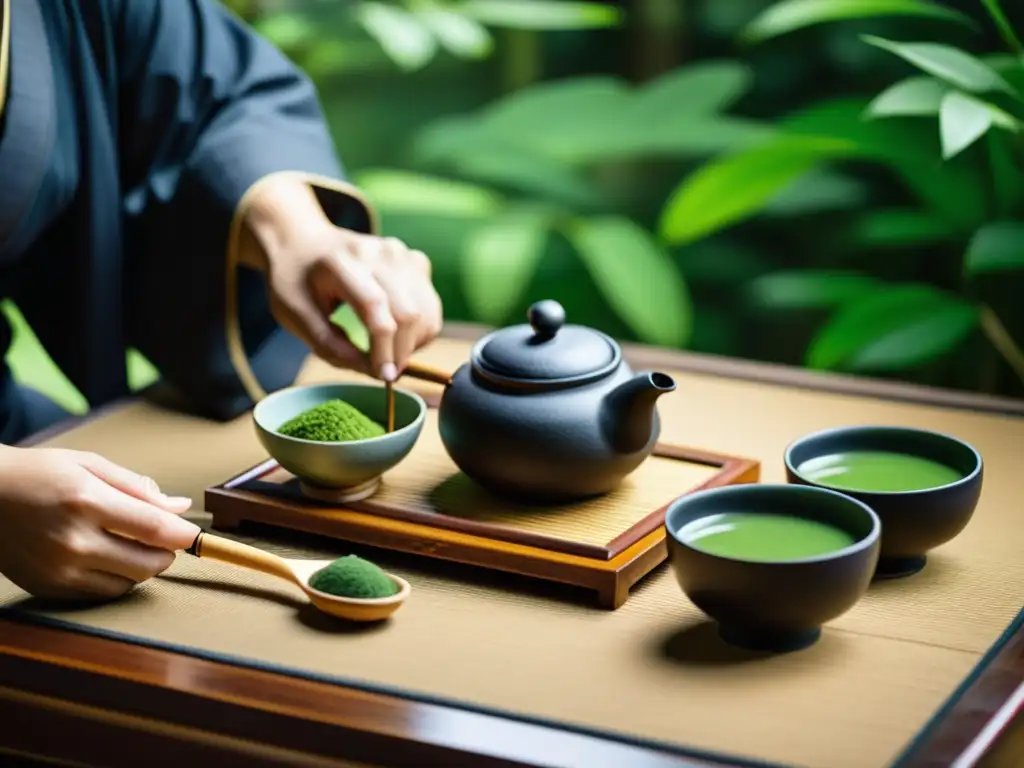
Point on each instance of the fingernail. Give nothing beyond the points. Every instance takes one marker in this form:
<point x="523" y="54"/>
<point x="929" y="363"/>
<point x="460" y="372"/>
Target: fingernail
<point x="388" y="372"/>
<point x="179" y="501"/>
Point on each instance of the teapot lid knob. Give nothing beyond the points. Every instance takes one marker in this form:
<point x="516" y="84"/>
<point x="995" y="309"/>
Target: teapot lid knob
<point x="546" y="318"/>
<point x="545" y="355"/>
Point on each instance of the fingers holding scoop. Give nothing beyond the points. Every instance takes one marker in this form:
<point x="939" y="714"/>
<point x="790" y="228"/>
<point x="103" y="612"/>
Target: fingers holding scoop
<point x="389" y="287"/>
<point x="415" y="306"/>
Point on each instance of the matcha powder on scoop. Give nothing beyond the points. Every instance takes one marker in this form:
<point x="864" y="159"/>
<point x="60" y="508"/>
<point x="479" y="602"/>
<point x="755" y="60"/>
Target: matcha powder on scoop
<point x="352" y="576"/>
<point x="332" y="422"/>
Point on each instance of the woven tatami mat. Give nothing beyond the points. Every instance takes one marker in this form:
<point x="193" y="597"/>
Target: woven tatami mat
<point x="652" y="668"/>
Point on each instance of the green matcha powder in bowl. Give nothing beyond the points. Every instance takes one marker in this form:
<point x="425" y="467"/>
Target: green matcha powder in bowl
<point x="335" y="421"/>
<point x="331" y="437"/>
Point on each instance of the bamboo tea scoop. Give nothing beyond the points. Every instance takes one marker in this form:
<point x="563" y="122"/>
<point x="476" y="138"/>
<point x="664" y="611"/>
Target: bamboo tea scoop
<point x="298" y="572"/>
<point x="390" y="394"/>
<point x="414" y="371"/>
<point x="423" y="372"/>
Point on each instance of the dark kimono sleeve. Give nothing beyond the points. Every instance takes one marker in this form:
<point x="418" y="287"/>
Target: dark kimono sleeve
<point x="208" y="110"/>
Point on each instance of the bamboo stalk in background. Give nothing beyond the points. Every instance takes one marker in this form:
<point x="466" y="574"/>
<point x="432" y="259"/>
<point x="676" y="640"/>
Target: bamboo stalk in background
<point x="659" y="30"/>
<point x="523" y="63"/>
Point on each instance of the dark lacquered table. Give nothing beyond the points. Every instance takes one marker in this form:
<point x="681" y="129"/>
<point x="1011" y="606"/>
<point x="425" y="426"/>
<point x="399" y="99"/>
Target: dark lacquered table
<point x="101" y="702"/>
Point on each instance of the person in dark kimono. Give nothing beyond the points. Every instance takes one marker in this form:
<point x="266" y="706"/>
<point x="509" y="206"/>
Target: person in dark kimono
<point x="168" y="183"/>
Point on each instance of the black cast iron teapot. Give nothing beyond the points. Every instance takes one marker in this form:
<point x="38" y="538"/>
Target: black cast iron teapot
<point x="548" y="411"/>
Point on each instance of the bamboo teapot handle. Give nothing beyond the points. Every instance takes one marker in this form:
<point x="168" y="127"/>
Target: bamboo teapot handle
<point x="429" y="373"/>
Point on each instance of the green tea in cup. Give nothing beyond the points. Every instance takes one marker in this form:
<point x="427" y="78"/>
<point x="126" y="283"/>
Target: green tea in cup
<point x="877" y="471"/>
<point x="764" y="537"/>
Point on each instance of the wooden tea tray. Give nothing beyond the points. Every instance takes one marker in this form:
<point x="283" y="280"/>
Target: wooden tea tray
<point x="425" y="506"/>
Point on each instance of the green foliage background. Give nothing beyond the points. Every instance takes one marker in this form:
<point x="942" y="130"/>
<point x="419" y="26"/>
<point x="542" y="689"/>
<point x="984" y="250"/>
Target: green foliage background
<point x="829" y="183"/>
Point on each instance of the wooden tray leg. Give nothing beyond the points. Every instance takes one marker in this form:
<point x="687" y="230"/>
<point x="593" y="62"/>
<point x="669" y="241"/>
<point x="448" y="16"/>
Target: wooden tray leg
<point x="614" y="593"/>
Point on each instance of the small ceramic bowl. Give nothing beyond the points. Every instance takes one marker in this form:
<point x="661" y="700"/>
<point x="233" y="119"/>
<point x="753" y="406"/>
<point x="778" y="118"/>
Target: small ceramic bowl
<point x="772" y="605"/>
<point x="913" y="522"/>
<point x="346" y="471"/>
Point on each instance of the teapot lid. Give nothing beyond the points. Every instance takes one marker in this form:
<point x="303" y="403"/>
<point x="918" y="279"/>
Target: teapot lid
<point x="546" y="352"/>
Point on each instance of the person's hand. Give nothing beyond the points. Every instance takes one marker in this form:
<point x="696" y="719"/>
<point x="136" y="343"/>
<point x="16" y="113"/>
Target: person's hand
<point x="77" y="526"/>
<point x="312" y="267"/>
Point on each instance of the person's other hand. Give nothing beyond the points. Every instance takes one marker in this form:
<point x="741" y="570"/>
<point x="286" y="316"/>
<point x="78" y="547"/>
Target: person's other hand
<point x="312" y="267"/>
<point x="75" y="525"/>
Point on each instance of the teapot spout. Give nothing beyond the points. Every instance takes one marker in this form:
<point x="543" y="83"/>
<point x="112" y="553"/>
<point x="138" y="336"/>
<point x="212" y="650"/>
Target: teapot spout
<point x="629" y="414"/>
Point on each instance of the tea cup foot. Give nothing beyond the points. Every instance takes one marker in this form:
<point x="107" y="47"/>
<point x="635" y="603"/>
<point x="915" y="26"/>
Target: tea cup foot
<point x="340" y="495"/>
<point x="899" y="567"/>
<point x="768" y="640"/>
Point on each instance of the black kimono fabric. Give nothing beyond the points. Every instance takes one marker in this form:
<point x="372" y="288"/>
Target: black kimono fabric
<point x="131" y="132"/>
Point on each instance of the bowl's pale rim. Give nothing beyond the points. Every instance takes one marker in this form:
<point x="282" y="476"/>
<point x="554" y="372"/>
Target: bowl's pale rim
<point x="415" y="424"/>
<point x="871" y="539"/>
<point x="970" y="477"/>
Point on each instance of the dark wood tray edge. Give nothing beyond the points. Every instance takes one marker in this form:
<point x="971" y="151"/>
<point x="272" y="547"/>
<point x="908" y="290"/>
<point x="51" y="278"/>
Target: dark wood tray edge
<point x="730" y="470"/>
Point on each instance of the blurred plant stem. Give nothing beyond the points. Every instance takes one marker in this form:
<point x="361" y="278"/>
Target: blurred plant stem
<point x="523" y="63"/>
<point x="1000" y="338"/>
<point x="658" y="37"/>
<point x="1004" y="26"/>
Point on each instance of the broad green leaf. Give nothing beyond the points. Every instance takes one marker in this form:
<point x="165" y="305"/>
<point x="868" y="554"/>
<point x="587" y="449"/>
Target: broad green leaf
<point x="819" y="190"/>
<point x="800" y="289"/>
<point x="947" y="63"/>
<point x="896" y="227"/>
<point x="529" y="108"/>
<point x="526" y="172"/>
<point x="345" y="317"/>
<point x="962" y="121"/>
<point x="499" y="261"/>
<point x="562" y="118"/>
<point x="1000" y="117"/>
<point x="407" y="41"/>
<point x="892" y="329"/>
<point x="405" y="192"/>
<point x="918" y="96"/>
<point x="791" y="15"/>
<point x="1010" y="68"/>
<point x="697" y="136"/>
<point x="910" y="148"/>
<point x="842" y="120"/>
<point x="459" y="34"/>
<point x="636" y="277"/>
<point x="32" y="365"/>
<point x="726" y="190"/>
<point x="996" y="247"/>
<point x="440" y="235"/>
<point x="701" y="88"/>
<point x="598" y="119"/>
<point x="443" y="140"/>
<point x="541" y="14"/>
<point x="141" y="372"/>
